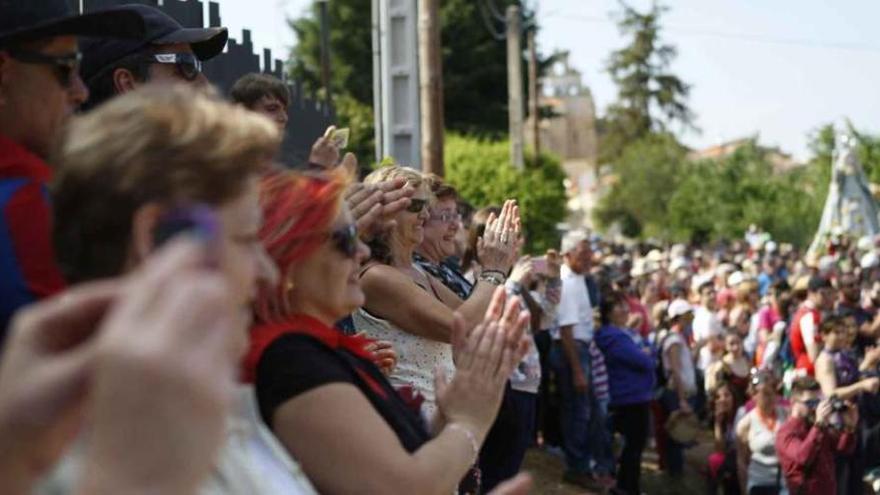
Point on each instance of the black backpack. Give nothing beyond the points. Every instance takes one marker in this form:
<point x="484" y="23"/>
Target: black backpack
<point x="659" y="370"/>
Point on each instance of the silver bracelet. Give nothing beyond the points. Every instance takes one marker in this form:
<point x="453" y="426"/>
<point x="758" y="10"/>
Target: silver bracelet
<point x="475" y="445"/>
<point x="493" y="277"/>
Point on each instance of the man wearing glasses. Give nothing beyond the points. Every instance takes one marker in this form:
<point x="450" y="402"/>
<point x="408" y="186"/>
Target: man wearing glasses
<point x="40" y="87"/>
<point x="167" y="53"/>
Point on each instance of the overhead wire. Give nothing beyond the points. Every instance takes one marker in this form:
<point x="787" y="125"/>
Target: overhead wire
<point x="749" y="37"/>
<point x="482" y="7"/>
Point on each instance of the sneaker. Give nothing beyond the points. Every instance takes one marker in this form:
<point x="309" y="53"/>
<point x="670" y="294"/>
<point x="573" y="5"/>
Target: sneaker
<point x="581" y="479"/>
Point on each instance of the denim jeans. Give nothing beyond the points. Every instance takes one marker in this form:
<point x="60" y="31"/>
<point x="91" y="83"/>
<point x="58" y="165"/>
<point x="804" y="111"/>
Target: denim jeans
<point x="575" y="408"/>
<point x="600" y="434"/>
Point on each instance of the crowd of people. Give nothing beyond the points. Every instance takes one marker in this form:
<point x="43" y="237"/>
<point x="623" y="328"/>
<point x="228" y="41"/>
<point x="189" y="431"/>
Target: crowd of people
<point x="181" y="314"/>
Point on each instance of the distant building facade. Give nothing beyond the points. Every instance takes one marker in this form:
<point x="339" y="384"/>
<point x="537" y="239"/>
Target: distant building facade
<point x="571" y="134"/>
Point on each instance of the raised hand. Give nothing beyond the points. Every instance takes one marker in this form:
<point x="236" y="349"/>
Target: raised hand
<point x="523" y="271"/>
<point x="373" y="206"/>
<point x="164" y="375"/>
<point x="499" y="246"/>
<point x="44" y="377"/>
<point x="484" y="359"/>
<point x="554" y="263"/>
<point x="324" y="153"/>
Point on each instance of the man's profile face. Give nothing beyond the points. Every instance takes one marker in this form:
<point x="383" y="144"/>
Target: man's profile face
<point x="34" y="103"/>
<point x="273" y="108"/>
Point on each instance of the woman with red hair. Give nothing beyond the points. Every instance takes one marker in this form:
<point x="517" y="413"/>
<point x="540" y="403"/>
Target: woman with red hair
<point x="319" y="390"/>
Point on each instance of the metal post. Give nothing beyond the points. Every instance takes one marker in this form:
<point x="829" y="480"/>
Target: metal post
<point x="533" y="97"/>
<point x="514" y="85"/>
<point x="377" y="82"/>
<point x="431" y="87"/>
<point x="325" y="51"/>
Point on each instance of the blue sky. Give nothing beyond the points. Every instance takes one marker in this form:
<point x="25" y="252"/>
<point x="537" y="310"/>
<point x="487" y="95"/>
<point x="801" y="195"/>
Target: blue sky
<point x="776" y="68"/>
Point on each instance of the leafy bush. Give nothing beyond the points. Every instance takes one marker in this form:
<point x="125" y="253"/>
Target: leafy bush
<point x="648" y="173"/>
<point x="481" y="171"/>
<point x="660" y="193"/>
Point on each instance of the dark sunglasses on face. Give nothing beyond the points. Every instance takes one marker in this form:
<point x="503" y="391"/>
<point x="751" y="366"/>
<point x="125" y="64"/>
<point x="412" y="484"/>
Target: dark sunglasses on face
<point x="65" y="66"/>
<point x="446" y="216"/>
<point x="345" y="240"/>
<point x="417" y="205"/>
<point x="188" y="66"/>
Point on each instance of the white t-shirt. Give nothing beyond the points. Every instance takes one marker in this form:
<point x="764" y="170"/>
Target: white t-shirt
<point x="686" y="361"/>
<point x="251" y="461"/>
<point x="706" y="324"/>
<point x="575" y="307"/>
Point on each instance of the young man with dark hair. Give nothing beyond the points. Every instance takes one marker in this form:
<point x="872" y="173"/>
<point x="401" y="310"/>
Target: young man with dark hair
<point x="265" y="94"/>
<point x="40" y="87"/>
<point x="808" y="442"/>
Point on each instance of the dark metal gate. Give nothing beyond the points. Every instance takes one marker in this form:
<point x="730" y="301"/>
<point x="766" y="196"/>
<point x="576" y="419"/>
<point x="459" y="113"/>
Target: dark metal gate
<point x="308" y="116"/>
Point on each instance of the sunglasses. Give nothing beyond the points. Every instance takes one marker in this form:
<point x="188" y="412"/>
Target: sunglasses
<point x="188" y="66"/>
<point x="417" y="205"/>
<point x="446" y="217"/>
<point x="64" y="66"/>
<point x="345" y="240"/>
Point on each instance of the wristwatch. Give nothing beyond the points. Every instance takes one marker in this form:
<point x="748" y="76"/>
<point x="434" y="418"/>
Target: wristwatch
<point x="493" y="277"/>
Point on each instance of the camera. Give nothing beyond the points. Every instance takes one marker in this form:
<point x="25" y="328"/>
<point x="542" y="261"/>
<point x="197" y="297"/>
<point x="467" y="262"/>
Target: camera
<point x="837" y="404"/>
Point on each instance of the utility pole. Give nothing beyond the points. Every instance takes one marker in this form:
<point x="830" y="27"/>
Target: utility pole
<point x="533" y="96"/>
<point x="431" y="87"/>
<point x="325" y="51"/>
<point x="514" y="85"/>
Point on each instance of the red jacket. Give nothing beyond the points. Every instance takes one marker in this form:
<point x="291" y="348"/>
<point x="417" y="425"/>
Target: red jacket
<point x="28" y="270"/>
<point x="806" y="454"/>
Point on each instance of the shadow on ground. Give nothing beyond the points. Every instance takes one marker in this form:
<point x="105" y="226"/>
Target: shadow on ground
<point x="547" y="470"/>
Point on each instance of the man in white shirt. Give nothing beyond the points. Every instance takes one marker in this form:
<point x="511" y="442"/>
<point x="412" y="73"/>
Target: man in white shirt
<point x="708" y="332"/>
<point x="571" y="359"/>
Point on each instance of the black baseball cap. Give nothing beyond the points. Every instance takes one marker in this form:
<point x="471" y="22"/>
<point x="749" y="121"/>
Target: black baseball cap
<point x="161" y="29"/>
<point x="29" y="20"/>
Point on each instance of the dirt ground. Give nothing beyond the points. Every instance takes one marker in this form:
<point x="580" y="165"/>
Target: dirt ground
<point x="547" y="470"/>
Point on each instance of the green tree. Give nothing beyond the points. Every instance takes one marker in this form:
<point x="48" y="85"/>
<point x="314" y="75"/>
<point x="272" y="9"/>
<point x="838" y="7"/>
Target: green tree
<point x="351" y="61"/>
<point x="474" y="66"/>
<point x="539" y="191"/>
<point x="650" y="98"/>
<point x="719" y="199"/>
<point x="646" y="176"/>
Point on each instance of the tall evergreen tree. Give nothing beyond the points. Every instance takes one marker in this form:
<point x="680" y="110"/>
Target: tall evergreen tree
<point x="650" y="98"/>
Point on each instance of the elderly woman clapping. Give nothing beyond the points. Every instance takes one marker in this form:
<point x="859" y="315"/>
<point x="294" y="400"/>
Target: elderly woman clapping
<point x="413" y="310"/>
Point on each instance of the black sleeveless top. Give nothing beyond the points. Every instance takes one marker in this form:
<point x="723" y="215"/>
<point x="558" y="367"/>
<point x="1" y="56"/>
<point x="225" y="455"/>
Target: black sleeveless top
<point x="296" y="363"/>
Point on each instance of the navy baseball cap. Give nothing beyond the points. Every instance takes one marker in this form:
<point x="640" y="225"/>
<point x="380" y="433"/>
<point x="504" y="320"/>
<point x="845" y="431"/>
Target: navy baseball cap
<point x="30" y="20"/>
<point x="161" y="29"/>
